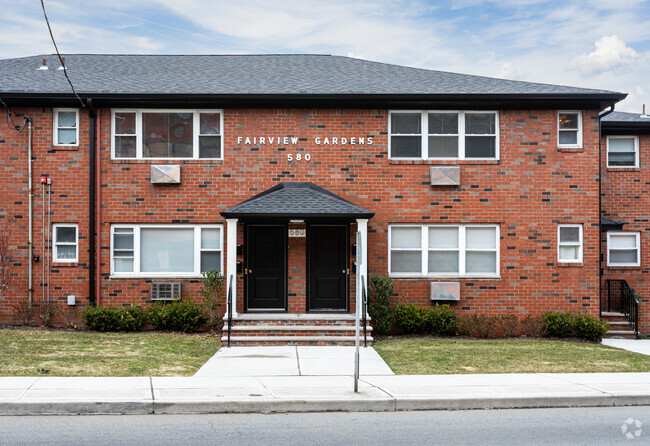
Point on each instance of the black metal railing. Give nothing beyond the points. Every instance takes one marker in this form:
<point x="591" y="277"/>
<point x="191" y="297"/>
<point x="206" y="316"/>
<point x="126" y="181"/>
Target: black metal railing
<point x="621" y="298"/>
<point x="364" y="311"/>
<point x="229" y="304"/>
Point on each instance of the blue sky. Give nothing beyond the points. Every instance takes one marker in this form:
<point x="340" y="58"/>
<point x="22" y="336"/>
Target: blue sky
<point x="601" y="44"/>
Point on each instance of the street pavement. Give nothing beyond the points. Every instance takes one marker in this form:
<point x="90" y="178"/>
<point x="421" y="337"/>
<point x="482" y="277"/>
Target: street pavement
<point x="313" y="379"/>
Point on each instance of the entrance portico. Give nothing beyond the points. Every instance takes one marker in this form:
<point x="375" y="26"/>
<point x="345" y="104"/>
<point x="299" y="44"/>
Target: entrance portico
<point x="297" y="256"/>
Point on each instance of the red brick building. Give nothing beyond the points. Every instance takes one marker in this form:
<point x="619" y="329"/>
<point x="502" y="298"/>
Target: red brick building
<point x="626" y="206"/>
<point x="480" y="192"/>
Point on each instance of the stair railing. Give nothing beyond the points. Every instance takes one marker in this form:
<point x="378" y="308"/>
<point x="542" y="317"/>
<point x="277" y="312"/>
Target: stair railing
<point x="364" y="311"/>
<point x="229" y="304"/>
<point x="621" y="297"/>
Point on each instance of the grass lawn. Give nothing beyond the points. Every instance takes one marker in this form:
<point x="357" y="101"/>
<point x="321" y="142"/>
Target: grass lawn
<point x="35" y="352"/>
<point x="428" y="356"/>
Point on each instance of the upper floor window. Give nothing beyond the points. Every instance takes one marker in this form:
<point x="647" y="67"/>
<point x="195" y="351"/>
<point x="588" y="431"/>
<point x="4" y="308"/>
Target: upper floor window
<point x="165" y="250"/>
<point x="622" y="151"/>
<point x="444" y="135"/>
<point x="65" y="242"/>
<point x="569" y="129"/>
<point x="444" y="250"/>
<point x="623" y="249"/>
<point x="569" y="240"/>
<point x="167" y="134"/>
<point x="66" y="127"/>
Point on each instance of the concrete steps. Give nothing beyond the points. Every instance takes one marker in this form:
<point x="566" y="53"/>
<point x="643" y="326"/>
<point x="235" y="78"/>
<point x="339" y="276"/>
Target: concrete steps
<point x="619" y="327"/>
<point x="251" y="329"/>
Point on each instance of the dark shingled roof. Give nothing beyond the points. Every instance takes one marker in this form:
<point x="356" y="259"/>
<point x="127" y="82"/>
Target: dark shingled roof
<point x="627" y="117"/>
<point x="95" y="74"/>
<point x="296" y="200"/>
<point x="621" y="123"/>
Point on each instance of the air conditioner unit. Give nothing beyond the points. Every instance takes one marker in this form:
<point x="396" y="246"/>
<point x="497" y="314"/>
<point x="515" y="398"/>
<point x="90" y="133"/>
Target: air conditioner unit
<point x="165" y="290"/>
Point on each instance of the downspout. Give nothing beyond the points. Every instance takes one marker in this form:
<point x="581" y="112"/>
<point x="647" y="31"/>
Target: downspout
<point x="91" y="205"/>
<point x="98" y="192"/>
<point x="30" y="193"/>
<point x="600" y="206"/>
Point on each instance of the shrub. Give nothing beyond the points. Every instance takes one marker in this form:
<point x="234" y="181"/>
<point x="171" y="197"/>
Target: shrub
<point x="484" y="326"/>
<point x="47" y="311"/>
<point x="508" y="324"/>
<point x="410" y="318"/>
<point x="559" y="324"/>
<point x="72" y="316"/>
<point x="114" y="318"/>
<point x="465" y="325"/>
<point x="589" y="327"/>
<point x="212" y="293"/>
<point x="534" y="326"/>
<point x="185" y="316"/>
<point x="442" y="320"/>
<point x="23" y="312"/>
<point x="379" y="307"/>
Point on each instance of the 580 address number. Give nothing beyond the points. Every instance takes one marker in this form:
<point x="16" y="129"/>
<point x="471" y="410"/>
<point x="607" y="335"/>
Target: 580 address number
<point x="298" y="157"/>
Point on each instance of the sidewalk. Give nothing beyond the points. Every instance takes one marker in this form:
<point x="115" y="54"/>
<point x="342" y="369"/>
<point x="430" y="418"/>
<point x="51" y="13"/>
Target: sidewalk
<point x="289" y="379"/>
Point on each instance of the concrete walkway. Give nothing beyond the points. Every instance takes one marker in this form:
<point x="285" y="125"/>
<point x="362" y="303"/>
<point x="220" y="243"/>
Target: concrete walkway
<point x="290" y="379"/>
<point x="634" y="345"/>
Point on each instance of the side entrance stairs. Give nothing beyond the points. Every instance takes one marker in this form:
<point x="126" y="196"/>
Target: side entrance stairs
<point x="250" y="329"/>
<point x="619" y="327"/>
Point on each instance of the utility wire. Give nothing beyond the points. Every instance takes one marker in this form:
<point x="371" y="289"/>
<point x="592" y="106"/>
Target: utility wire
<point x="10" y="121"/>
<point x="65" y="71"/>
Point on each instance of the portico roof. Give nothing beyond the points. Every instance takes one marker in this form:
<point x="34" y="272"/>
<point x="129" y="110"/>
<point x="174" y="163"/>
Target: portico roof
<point x="297" y="200"/>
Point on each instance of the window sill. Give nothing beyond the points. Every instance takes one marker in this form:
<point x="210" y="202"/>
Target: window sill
<point x="437" y="278"/>
<point x="66" y="148"/>
<point x="571" y="149"/>
<point x="154" y="278"/>
<point x="65" y="264"/>
<point x="443" y="162"/>
<point x="625" y="267"/>
<point x="623" y="169"/>
<point x="570" y="264"/>
<point x="166" y="161"/>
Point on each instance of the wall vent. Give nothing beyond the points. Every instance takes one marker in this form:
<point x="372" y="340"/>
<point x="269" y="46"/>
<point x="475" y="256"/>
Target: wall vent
<point x="165" y="174"/>
<point x="165" y="290"/>
<point x="445" y="291"/>
<point x="445" y="176"/>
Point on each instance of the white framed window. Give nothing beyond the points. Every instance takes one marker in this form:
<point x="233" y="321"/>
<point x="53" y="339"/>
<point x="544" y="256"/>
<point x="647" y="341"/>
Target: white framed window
<point x="623" y="249"/>
<point x="569" y="129"/>
<point x="66" y="127"/>
<point x="165" y="250"/>
<point x="167" y="134"/>
<point x="622" y="151"/>
<point x="443" y="250"/>
<point x="569" y="243"/>
<point x="444" y="135"/>
<point x="65" y="240"/>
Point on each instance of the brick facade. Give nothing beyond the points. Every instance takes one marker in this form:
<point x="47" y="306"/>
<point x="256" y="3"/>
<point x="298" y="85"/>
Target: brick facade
<point x="528" y="191"/>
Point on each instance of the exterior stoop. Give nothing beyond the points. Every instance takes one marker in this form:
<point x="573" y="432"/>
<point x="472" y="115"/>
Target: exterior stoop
<point x="619" y="327"/>
<point x="250" y="329"/>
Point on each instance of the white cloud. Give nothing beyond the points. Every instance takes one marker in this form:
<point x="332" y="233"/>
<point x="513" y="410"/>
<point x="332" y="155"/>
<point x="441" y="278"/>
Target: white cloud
<point x="610" y="54"/>
<point x="508" y="71"/>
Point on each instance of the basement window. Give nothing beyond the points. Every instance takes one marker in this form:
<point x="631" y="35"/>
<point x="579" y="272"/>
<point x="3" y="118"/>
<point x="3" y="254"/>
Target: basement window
<point x="66" y="241"/>
<point x="66" y="127"/>
<point x="167" y="134"/>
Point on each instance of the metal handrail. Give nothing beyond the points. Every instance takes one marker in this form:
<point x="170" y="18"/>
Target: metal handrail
<point x="621" y="297"/>
<point x="229" y="303"/>
<point x="364" y="311"/>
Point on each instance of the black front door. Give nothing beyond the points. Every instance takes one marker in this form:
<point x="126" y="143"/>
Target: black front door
<point x="266" y="267"/>
<point x="327" y="268"/>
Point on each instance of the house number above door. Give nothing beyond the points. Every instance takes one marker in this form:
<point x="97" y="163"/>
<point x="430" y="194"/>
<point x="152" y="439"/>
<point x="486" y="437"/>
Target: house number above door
<point x="297" y="232"/>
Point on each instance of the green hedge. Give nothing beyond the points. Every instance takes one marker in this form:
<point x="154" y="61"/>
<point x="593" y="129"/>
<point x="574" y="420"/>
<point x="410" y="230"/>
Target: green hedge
<point x="114" y="318"/>
<point x="185" y="316"/>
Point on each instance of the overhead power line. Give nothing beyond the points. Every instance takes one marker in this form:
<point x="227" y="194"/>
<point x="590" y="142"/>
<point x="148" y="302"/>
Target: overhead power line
<point x="65" y="71"/>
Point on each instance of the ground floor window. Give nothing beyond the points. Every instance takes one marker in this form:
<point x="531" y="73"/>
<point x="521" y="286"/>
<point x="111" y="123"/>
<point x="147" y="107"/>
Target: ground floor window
<point x="443" y="250"/>
<point x="569" y="239"/>
<point x="623" y="249"/>
<point x="165" y="250"/>
<point x="65" y="242"/>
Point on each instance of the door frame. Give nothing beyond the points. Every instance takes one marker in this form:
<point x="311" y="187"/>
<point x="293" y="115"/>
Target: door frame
<point x="308" y="253"/>
<point x="247" y="247"/>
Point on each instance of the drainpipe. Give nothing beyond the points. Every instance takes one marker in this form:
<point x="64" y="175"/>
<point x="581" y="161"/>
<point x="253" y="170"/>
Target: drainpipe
<point x="92" y="113"/>
<point x="98" y="192"/>
<point x="600" y="207"/>
<point x="30" y="194"/>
